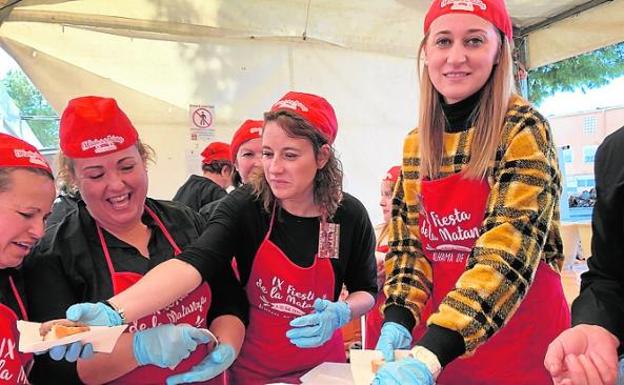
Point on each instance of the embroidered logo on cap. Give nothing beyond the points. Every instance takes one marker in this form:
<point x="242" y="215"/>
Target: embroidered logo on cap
<point x="256" y="130"/>
<point x="32" y="156"/>
<point x="103" y="144"/>
<point x="463" y="5"/>
<point x="291" y="104"/>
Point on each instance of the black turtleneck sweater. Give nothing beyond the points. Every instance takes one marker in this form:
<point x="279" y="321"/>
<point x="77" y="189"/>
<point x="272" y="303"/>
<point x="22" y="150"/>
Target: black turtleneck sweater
<point x="461" y="115"/>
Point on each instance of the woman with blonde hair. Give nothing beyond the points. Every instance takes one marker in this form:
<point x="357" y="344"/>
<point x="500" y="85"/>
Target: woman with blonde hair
<point x="374" y="318"/>
<point x="26" y="195"/>
<point x="114" y="236"/>
<point x="475" y="221"/>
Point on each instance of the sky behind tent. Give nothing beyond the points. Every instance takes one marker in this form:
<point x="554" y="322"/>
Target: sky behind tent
<point x="6" y="63"/>
<point x="570" y="102"/>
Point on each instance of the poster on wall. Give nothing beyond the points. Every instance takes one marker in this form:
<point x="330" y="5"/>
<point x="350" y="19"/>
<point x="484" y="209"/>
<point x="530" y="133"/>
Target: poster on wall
<point x="201" y="119"/>
<point x="192" y="158"/>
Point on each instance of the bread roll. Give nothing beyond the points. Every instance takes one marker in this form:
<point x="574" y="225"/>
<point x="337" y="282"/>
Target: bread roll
<point x="57" y="329"/>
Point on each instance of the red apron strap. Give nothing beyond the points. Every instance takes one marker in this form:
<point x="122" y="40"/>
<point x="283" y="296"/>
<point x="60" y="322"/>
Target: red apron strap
<point x="20" y="303"/>
<point x="161" y="226"/>
<point x="109" y="261"/>
<point x="268" y="234"/>
<point x="176" y="249"/>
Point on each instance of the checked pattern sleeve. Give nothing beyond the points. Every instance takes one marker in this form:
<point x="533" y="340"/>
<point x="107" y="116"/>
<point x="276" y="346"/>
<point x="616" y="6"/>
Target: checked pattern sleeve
<point x="519" y="230"/>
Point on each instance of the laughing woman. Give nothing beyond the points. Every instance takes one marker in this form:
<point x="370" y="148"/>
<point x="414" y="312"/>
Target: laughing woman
<point x="115" y="236"/>
<point x="26" y="195"/>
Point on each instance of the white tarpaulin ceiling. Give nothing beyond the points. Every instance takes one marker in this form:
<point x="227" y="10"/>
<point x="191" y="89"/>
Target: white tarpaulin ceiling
<point x="158" y="56"/>
<point x="382" y="26"/>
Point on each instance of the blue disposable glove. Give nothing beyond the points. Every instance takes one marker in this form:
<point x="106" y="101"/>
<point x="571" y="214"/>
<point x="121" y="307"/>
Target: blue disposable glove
<point x="94" y="314"/>
<point x="214" y="364"/>
<point x="312" y="330"/>
<point x="167" y="345"/>
<point x="70" y="352"/>
<point x="393" y="336"/>
<point x="408" y="370"/>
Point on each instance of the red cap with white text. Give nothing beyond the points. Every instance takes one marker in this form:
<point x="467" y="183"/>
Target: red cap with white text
<point x="314" y="109"/>
<point x="494" y="11"/>
<point x="392" y="175"/>
<point x="15" y="152"/>
<point x="250" y="129"/>
<point x="94" y="126"/>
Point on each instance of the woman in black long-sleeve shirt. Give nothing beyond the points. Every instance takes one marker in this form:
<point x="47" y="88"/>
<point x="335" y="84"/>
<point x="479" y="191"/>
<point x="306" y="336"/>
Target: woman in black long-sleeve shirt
<point x="296" y="237"/>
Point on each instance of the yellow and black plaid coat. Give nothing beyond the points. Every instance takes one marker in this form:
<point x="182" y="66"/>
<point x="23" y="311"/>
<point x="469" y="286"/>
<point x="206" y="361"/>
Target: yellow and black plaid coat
<point x="520" y="228"/>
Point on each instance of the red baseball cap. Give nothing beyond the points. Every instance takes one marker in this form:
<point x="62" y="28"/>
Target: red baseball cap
<point x="250" y="129"/>
<point x="494" y="11"/>
<point x="15" y="152"/>
<point x="216" y="151"/>
<point x="392" y="175"/>
<point x="94" y="126"/>
<point x="314" y="109"/>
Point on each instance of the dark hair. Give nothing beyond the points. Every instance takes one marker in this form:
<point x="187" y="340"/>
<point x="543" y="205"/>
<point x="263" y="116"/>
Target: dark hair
<point x="237" y="181"/>
<point x="216" y="166"/>
<point x="328" y="180"/>
<point x="5" y="175"/>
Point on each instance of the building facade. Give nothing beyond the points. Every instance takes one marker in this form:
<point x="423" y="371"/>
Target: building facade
<point x="579" y="135"/>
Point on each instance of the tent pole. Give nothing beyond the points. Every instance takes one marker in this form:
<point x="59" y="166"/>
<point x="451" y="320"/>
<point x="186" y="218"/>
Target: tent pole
<point x="520" y="56"/>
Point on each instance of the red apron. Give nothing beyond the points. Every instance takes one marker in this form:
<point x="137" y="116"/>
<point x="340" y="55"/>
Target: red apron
<point x="279" y="291"/>
<point x="191" y="309"/>
<point x="375" y="318"/>
<point x="453" y="211"/>
<point x="13" y="364"/>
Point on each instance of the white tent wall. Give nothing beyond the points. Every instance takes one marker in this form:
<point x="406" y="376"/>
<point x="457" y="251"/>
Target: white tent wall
<point x="374" y="94"/>
<point x="376" y="103"/>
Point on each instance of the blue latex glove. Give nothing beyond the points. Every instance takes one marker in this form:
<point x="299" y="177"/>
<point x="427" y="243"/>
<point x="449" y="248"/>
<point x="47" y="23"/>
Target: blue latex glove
<point x="214" y="364"/>
<point x="408" y="370"/>
<point x="312" y="330"/>
<point x="167" y="345"/>
<point x="94" y="314"/>
<point x="393" y="336"/>
<point x="70" y="352"/>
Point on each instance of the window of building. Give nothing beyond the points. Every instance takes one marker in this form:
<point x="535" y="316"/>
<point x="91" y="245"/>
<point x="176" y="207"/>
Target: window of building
<point x="589" y="152"/>
<point x="590" y="124"/>
<point x="567" y="155"/>
<point x="586" y="181"/>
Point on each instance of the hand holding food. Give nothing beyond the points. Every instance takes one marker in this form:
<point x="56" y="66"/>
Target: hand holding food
<point x="61" y="328"/>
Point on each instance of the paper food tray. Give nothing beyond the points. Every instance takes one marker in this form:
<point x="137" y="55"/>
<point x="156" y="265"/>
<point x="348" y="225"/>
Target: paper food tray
<point x="328" y="373"/>
<point x="102" y="338"/>
<point x="362" y="367"/>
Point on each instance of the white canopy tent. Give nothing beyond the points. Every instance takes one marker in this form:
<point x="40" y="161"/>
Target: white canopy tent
<point x="157" y="57"/>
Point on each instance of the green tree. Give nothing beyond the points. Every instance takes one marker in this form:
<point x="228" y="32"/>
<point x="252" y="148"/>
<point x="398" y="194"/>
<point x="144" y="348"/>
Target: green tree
<point x="584" y="72"/>
<point x="35" y="110"/>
